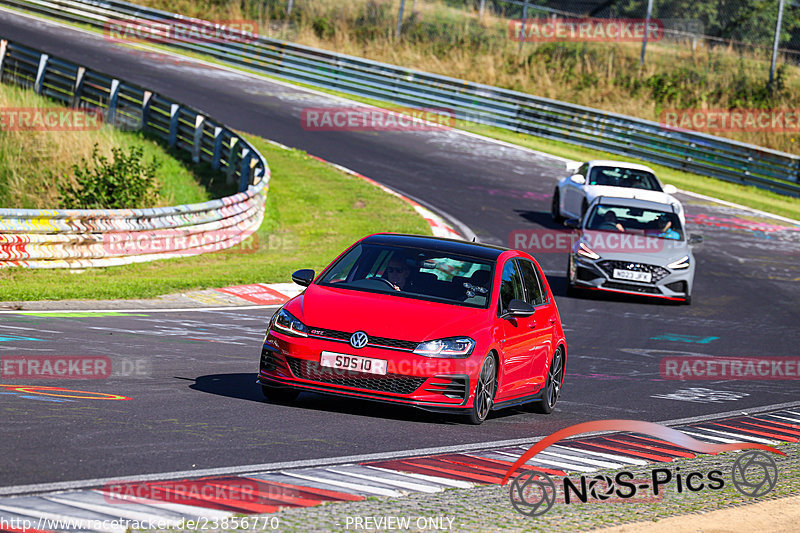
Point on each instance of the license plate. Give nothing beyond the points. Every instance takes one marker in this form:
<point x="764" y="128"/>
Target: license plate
<point x="355" y="363"/>
<point x="632" y="275"/>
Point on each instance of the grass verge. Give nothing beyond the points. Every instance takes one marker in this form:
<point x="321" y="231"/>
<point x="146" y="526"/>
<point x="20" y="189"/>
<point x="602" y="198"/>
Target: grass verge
<point x="24" y="156"/>
<point x="313" y="213"/>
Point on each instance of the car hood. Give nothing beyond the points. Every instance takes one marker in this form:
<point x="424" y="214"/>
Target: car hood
<point x="384" y="315"/>
<point x="593" y="191"/>
<point x="637" y="248"/>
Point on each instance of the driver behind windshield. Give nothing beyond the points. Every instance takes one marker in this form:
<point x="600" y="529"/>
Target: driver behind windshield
<point x="397" y="272"/>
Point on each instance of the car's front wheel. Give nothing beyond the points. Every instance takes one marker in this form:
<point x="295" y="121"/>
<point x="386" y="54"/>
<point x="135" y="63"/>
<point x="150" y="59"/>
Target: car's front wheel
<point x="279" y="394"/>
<point x="484" y="391"/>
<point x="555" y="207"/>
<point x="552" y="389"/>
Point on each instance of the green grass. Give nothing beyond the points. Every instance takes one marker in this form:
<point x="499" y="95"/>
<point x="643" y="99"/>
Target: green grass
<point x="26" y="156"/>
<point x="313" y="213"/>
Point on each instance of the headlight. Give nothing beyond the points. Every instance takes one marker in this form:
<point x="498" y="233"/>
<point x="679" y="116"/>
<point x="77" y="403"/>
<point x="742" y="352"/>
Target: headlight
<point x="285" y="322"/>
<point x="683" y="262"/>
<point x="452" y="347"/>
<point x="585" y="251"/>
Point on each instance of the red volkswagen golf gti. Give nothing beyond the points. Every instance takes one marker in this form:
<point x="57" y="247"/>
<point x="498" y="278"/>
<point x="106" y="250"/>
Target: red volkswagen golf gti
<point x="439" y="324"/>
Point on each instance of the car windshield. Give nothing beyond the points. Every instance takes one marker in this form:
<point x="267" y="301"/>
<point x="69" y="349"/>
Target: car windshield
<point x="415" y="273"/>
<point x="623" y="177"/>
<point x="649" y="222"/>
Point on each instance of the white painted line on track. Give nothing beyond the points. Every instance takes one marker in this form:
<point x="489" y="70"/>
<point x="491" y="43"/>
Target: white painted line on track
<point x="346" y="485"/>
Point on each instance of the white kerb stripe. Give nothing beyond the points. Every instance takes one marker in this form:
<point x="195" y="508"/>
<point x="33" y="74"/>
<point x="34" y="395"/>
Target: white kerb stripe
<point x="620" y="458"/>
<point x="118" y="511"/>
<point x="741" y="437"/>
<point x="539" y="459"/>
<point x="64" y="520"/>
<point x="346" y="485"/>
<point x="180" y="508"/>
<point x="456" y="483"/>
<point x="389" y="481"/>
<point x="577" y="459"/>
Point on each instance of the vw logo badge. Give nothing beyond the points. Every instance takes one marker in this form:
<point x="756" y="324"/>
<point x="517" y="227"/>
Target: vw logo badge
<point x="358" y="339"/>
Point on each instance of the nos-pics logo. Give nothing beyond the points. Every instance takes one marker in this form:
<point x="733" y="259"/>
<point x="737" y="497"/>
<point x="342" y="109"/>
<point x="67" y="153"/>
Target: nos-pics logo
<point x="533" y="493"/>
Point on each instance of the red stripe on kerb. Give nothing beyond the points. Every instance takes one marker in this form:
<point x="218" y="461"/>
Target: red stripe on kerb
<point x="624" y="439"/>
<point x="312" y="493"/>
<point x="622" y="451"/>
<point x="756" y="432"/>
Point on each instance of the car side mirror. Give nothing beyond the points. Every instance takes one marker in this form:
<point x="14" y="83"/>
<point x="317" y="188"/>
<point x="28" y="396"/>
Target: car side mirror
<point x="670" y="189"/>
<point x="519" y="308"/>
<point x="577" y="178"/>
<point x="574" y="223"/>
<point x="695" y="239"/>
<point x="304" y="277"/>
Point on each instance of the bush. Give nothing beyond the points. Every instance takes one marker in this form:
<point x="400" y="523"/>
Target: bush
<point x="124" y="183"/>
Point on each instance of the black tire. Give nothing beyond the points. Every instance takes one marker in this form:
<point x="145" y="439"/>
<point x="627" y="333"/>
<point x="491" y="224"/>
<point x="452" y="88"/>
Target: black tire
<point x="279" y="394"/>
<point x="571" y="291"/>
<point x="555" y="210"/>
<point x="485" y="389"/>
<point x="687" y="300"/>
<point x="552" y="389"/>
<point x="584" y="207"/>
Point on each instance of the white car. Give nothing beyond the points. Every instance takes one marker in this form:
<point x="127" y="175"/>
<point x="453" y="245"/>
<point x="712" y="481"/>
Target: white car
<point x="616" y="179"/>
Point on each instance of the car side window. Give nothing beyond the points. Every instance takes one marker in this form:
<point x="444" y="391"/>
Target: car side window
<point x="534" y="289"/>
<point x="510" y="285"/>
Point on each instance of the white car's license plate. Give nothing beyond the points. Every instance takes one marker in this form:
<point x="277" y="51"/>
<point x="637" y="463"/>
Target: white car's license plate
<point x="355" y="363"/>
<point x="632" y="275"/>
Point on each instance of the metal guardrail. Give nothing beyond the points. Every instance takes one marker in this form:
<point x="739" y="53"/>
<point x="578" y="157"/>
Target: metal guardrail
<point x="619" y="134"/>
<point x="80" y="238"/>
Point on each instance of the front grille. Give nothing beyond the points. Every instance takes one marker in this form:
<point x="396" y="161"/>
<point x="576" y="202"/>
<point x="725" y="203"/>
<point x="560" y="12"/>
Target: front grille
<point x="657" y="273"/>
<point x="631" y="287"/>
<point x="394" y="383"/>
<point x="451" y="387"/>
<point x="383" y="342"/>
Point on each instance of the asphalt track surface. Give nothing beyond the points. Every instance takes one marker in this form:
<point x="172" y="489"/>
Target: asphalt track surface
<point x="193" y="401"/>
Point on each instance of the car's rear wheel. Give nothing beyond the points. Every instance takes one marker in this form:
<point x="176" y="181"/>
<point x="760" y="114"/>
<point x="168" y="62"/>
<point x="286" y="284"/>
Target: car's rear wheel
<point x="279" y="394"/>
<point x="584" y="207"/>
<point x="484" y="391"/>
<point x="555" y="208"/>
<point x="552" y="389"/>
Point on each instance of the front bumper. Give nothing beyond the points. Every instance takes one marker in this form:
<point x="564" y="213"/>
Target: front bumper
<point x="598" y="275"/>
<point x="429" y="383"/>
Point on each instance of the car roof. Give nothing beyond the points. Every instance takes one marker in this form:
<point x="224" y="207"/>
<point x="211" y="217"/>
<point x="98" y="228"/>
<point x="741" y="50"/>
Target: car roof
<point x="621" y="164"/>
<point x="633" y="202"/>
<point x="453" y="246"/>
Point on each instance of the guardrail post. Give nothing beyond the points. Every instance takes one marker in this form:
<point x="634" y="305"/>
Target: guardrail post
<point x="3" y="48"/>
<point x="37" y="85"/>
<point x="174" y="114"/>
<point x="232" y="160"/>
<point x="199" y="122"/>
<point x="147" y="98"/>
<point x="217" y="148"/>
<point x="244" y="177"/>
<point x="77" y="89"/>
<point x="113" y="97"/>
